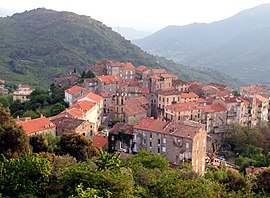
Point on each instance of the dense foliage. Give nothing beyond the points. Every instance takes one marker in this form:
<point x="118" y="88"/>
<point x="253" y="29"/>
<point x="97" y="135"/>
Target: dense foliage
<point x="48" y="172"/>
<point x="46" y="102"/>
<point x="249" y="146"/>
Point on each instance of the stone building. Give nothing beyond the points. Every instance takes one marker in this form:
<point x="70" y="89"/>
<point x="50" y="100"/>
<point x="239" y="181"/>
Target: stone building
<point x="183" y="111"/>
<point x="107" y="84"/>
<point x="67" y="81"/>
<point x="65" y="125"/>
<point x="177" y="142"/>
<point x="90" y="84"/>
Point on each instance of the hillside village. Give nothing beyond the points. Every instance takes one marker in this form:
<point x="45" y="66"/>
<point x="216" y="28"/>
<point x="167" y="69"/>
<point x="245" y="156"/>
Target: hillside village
<point x="123" y="108"/>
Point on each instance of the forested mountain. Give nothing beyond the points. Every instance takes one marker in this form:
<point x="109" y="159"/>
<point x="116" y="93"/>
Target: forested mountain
<point x="238" y="46"/>
<point x="37" y="45"/>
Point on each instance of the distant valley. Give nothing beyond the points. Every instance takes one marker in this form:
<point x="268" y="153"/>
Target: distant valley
<point x="238" y="46"/>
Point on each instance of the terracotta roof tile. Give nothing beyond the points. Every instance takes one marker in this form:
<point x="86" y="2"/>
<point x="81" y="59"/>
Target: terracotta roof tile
<point x="36" y="125"/>
<point x="135" y="106"/>
<point x="108" y="79"/>
<point x="261" y="98"/>
<point x="186" y="129"/>
<point x="166" y="75"/>
<point x="201" y="100"/>
<point x="213" y="108"/>
<point x="189" y="95"/>
<point x="105" y="94"/>
<point x="100" y="141"/>
<point x="90" y="97"/>
<point x="128" y="66"/>
<point x="188" y="106"/>
<point x="141" y="68"/>
<point x="75" y="89"/>
<point x="145" y="90"/>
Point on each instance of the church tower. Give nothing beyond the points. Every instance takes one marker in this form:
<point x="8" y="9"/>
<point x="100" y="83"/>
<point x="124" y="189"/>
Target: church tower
<point x="119" y="105"/>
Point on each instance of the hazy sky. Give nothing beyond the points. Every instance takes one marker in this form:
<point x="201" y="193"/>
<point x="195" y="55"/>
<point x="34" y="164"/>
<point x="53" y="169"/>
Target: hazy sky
<point x="150" y="15"/>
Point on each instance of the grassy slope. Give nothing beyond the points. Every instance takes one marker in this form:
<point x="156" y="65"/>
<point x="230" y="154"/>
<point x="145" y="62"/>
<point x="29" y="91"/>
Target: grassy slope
<point x="37" y="45"/>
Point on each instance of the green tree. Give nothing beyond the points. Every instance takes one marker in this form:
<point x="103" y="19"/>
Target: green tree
<point x="108" y="161"/>
<point x="24" y="177"/>
<point x="4" y="101"/>
<point x="57" y="108"/>
<point x="38" y="143"/>
<point x="30" y="113"/>
<point x="262" y="181"/>
<point x="13" y="141"/>
<point x="77" y="146"/>
<point x="90" y="74"/>
<point x="87" y="193"/>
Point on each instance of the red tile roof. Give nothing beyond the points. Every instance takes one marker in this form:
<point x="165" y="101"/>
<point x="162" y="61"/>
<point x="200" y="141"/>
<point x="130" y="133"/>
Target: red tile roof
<point x="105" y="94"/>
<point x="189" y="95"/>
<point x="232" y="99"/>
<point x="154" y="77"/>
<point x="201" y="100"/>
<point x="141" y="68"/>
<point x="100" y="141"/>
<point x="75" y="89"/>
<point x="108" y="79"/>
<point x="36" y="125"/>
<point x="135" y="106"/>
<point x="83" y="105"/>
<point x="188" y="106"/>
<point x="128" y="66"/>
<point x="166" y="75"/>
<point x="90" y="97"/>
<point x="261" y="98"/>
<point x="145" y="90"/>
<point x="213" y="108"/>
<point x="186" y="129"/>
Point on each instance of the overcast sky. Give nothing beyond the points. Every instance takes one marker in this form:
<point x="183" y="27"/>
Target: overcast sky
<point x="149" y="15"/>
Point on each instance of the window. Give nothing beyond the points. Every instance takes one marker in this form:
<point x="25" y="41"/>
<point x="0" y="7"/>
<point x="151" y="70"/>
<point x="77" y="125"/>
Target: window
<point x="164" y="140"/>
<point x="150" y="145"/>
<point x="187" y="145"/>
<point x="151" y="136"/>
<point x="144" y="137"/>
<point x="164" y="149"/>
<point x="158" y="149"/>
<point x="159" y="141"/>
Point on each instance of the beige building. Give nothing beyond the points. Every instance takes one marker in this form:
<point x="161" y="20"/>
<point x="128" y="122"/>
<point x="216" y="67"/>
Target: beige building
<point x="180" y="112"/>
<point x="88" y="107"/>
<point x="180" y="85"/>
<point x="22" y="93"/>
<point x="177" y="142"/>
<point x="260" y="109"/>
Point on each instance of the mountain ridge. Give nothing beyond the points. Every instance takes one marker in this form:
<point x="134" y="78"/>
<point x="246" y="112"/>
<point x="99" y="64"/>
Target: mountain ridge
<point x="237" y="46"/>
<point x="40" y="44"/>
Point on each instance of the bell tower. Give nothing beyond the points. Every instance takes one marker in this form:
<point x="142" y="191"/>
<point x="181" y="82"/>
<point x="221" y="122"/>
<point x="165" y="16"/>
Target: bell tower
<point x="119" y="105"/>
